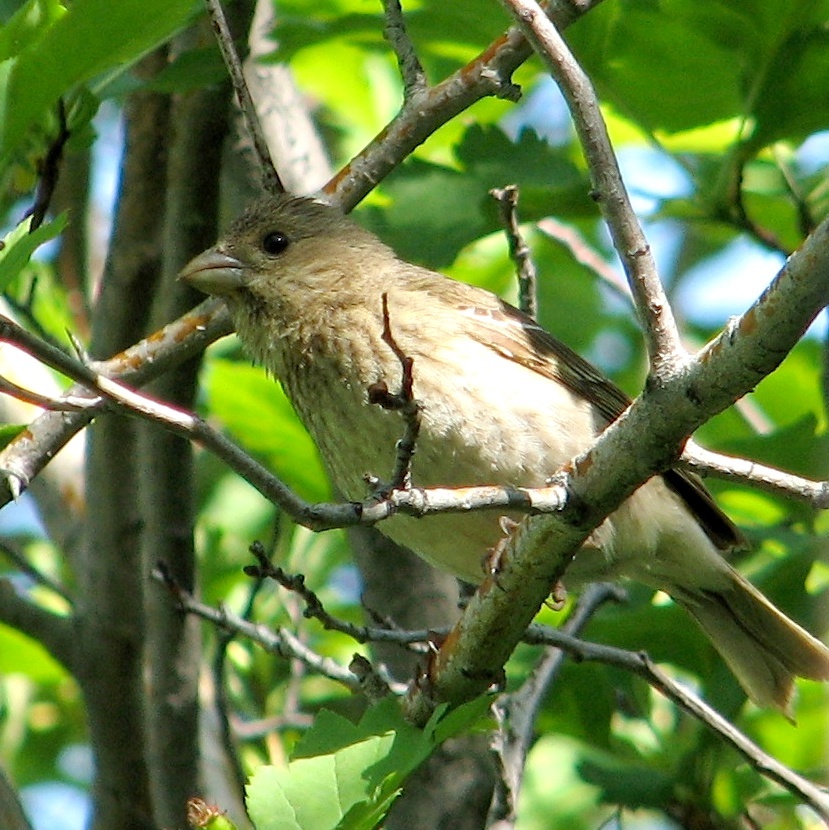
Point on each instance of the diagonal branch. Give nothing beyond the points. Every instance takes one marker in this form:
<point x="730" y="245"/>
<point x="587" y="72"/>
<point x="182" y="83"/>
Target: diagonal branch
<point x="25" y="456"/>
<point x="664" y="345"/>
<point x="270" y="177"/>
<point x="640" y="664"/>
<point x="646" y="439"/>
<point x="279" y="641"/>
<point x="426" y="110"/>
<point x="55" y="632"/>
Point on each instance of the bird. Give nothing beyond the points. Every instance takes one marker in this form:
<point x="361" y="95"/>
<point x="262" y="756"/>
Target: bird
<point x="501" y="402"/>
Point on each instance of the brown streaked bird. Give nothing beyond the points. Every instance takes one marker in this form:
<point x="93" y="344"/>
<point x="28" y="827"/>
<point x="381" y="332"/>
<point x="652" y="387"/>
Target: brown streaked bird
<point x="503" y="402"/>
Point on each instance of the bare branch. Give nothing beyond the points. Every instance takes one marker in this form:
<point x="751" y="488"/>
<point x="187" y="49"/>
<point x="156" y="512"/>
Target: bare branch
<point x="279" y="641"/>
<point x="507" y="199"/>
<point x="422" y="113"/>
<point x="517" y="712"/>
<point x="314" y="609"/>
<point x="270" y="176"/>
<point x="8" y="387"/>
<point x="640" y="664"/>
<point x="403" y="402"/>
<point x="814" y="493"/>
<point x="664" y="345"/>
<point x="107" y="391"/>
<point x="411" y="70"/>
<point x="25" y="456"/>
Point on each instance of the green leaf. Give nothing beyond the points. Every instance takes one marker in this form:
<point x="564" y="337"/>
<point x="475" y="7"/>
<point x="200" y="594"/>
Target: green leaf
<point x="20" y="654"/>
<point x="410" y="746"/>
<point x="764" y="62"/>
<point x="27" y="25"/>
<point x="329" y="733"/>
<point x="19" y="245"/>
<point x="93" y="37"/>
<point x="257" y="413"/>
<point x="626" y="783"/>
<point x="347" y="775"/>
<point x="794" y="101"/>
<point x="471" y="715"/>
<point x="367" y="815"/>
<point x="315" y="793"/>
<point x="626" y="46"/>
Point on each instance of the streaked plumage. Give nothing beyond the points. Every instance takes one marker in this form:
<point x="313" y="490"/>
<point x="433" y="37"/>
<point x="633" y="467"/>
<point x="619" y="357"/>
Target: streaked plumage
<point x="503" y="403"/>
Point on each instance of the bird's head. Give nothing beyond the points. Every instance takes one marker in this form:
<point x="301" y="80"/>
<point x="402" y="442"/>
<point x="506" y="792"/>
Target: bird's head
<point x="287" y="248"/>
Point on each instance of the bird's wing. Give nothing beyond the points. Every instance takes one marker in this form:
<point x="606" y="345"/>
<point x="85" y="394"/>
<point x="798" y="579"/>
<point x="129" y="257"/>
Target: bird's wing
<point x="517" y="337"/>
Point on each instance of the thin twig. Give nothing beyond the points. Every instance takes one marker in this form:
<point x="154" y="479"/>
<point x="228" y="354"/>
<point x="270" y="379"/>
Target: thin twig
<point x="314" y="608"/>
<point x="585" y="254"/>
<point x="516" y="713"/>
<point x="22" y="563"/>
<point x="270" y="177"/>
<point x="736" y="214"/>
<point x="507" y="198"/>
<point x="49" y="171"/>
<point x="224" y="640"/>
<point x="26" y="455"/>
<point x="279" y="641"/>
<point x="761" y="476"/>
<point x="24" y="310"/>
<point x="806" y="221"/>
<point x="417" y="502"/>
<point x="372" y="683"/>
<point x="8" y="387"/>
<point x="403" y="402"/>
<point x="664" y="345"/>
<point x="411" y="70"/>
<point x="640" y="664"/>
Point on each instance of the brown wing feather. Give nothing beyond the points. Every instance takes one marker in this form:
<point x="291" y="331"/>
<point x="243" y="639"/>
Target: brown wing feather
<point x="519" y="338"/>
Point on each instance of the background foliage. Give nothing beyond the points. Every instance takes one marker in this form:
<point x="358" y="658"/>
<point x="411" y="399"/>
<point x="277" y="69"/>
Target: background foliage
<point x="720" y="113"/>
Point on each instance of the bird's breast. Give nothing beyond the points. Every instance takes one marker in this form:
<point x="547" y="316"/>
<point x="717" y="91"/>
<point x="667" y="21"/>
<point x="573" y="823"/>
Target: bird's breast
<point x="485" y="419"/>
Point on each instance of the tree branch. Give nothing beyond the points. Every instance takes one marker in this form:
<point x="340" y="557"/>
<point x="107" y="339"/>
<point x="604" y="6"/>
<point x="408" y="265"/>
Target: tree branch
<point x="411" y="70"/>
<point x="646" y="439"/>
<point x="55" y="632"/>
<point x="270" y="177"/>
<point x="26" y="455"/>
<point x="516" y="713"/>
<point x="640" y="664"/>
<point x="428" y="109"/>
<point x="664" y="345"/>
<point x="507" y="198"/>
<point x="761" y="476"/>
<point x="279" y="641"/>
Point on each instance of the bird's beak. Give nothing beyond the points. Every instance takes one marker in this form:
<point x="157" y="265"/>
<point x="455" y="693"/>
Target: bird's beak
<point x="214" y="272"/>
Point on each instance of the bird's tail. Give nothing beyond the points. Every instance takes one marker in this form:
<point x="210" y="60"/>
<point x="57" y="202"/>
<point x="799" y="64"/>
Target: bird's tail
<point x="761" y="645"/>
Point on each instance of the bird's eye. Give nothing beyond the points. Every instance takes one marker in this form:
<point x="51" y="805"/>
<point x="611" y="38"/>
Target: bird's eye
<point x="274" y="243"/>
